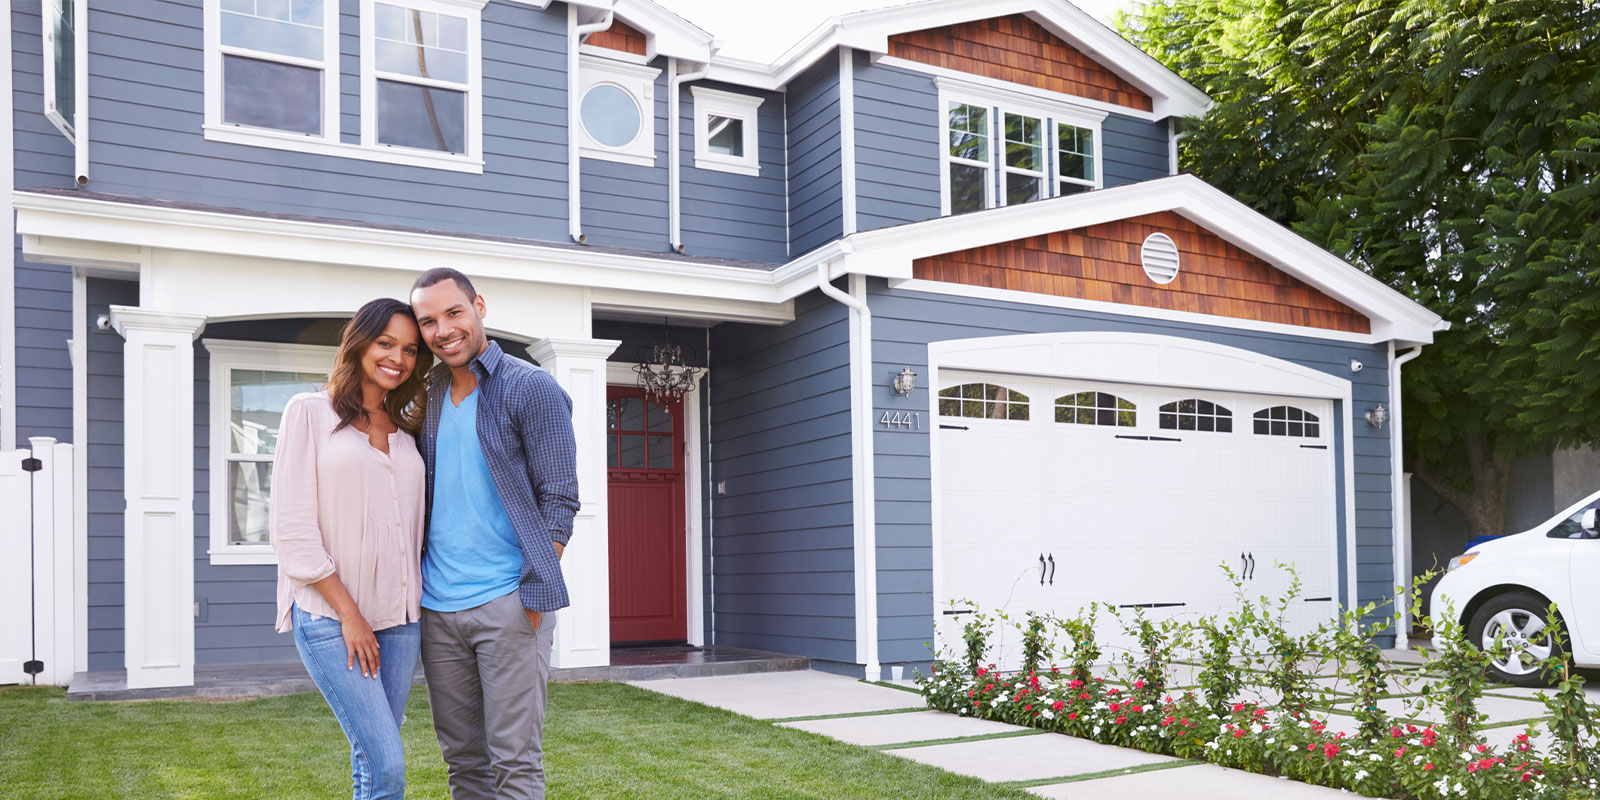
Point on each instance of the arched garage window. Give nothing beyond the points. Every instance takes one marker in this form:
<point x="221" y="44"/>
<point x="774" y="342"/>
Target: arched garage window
<point x="1196" y="415"/>
<point x="1095" y="408"/>
<point x="1287" y="421"/>
<point x="982" y="401"/>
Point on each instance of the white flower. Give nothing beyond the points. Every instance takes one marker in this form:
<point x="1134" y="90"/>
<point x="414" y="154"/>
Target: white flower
<point x="1361" y="774"/>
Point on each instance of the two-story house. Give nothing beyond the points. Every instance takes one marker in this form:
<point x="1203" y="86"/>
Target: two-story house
<point x="962" y="336"/>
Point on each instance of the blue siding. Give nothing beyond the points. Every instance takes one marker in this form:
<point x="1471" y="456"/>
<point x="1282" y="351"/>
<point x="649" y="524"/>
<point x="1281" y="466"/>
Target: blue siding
<point x="897" y="145"/>
<point x="626" y="204"/>
<point x="782" y="535"/>
<point x="902" y="330"/>
<point x="104" y="454"/>
<point x="1133" y="150"/>
<point x="816" y="197"/>
<point x="736" y="216"/>
<point x="147" y="89"/>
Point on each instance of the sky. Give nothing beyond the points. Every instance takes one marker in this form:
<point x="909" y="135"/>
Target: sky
<point x="763" y="29"/>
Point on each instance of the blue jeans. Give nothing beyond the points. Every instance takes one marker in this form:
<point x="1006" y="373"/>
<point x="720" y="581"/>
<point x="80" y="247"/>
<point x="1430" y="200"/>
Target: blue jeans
<point x="369" y="710"/>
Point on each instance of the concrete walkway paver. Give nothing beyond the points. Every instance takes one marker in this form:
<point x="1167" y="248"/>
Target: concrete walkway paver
<point x="923" y="726"/>
<point x="1028" y="758"/>
<point x="777" y="695"/>
<point x="1500" y="710"/>
<point x="1198" y="782"/>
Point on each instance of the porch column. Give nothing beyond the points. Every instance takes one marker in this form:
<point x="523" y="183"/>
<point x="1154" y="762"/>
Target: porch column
<point x="158" y="485"/>
<point x="583" y="633"/>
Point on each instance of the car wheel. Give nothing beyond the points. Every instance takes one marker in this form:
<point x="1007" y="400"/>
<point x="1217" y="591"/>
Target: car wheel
<point x="1519" y="620"/>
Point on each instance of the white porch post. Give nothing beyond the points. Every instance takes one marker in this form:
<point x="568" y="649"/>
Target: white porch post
<point x="158" y="484"/>
<point x="583" y="635"/>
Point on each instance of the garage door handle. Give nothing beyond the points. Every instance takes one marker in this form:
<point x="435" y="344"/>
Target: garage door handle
<point x="1041" y="569"/>
<point x="1149" y="438"/>
<point x="1152" y="605"/>
<point x="1319" y="599"/>
<point x="1052" y="569"/>
<point x="959" y="612"/>
<point x="1314" y="446"/>
<point x="1252" y="566"/>
<point x="954" y="427"/>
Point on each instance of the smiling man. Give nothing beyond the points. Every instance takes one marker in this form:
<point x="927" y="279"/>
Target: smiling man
<point x="502" y="491"/>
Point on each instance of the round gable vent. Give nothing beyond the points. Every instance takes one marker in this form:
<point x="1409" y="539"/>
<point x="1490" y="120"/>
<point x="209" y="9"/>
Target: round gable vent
<point x="1159" y="255"/>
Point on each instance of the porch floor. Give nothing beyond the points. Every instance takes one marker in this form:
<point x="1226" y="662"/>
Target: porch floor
<point x="627" y="664"/>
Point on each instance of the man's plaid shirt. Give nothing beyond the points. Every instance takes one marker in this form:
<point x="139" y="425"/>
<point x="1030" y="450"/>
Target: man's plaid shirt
<point x="525" y="428"/>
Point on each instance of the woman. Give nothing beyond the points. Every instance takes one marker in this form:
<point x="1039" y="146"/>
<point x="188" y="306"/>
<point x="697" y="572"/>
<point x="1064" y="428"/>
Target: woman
<point x="347" y="521"/>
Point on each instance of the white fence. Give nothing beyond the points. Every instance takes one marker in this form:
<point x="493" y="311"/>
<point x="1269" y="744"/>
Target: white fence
<point x="38" y="556"/>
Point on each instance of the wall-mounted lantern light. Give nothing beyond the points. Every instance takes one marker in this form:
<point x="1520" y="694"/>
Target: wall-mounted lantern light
<point x="906" y="382"/>
<point x="1377" y="416"/>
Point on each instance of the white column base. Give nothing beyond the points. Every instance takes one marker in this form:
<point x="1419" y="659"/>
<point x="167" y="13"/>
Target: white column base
<point x="158" y="484"/>
<point x="583" y="629"/>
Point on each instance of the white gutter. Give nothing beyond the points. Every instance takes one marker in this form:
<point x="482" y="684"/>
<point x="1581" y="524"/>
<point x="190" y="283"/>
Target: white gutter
<point x="863" y="474"/>
<point x="575" y="35"/>
<point x="80" y="88"/>
<point x="847" y="137"/>
<point x="675" y="148"/>
<point x="1401" y="525"/>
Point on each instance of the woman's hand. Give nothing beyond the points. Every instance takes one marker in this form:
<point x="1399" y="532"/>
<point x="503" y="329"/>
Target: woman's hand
<point x="360" y="644"/>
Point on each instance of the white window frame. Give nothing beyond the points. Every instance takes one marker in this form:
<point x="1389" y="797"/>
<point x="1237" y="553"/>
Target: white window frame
<point x="226" y="356"/>
<point x="1046" y="163"/>
<point x="331" y="142"/>
<point x="80" y="65"/>
<point x="639" y="83"/>
<point x="472" y="131"/>
<point x="1001" y="101"/>
<point x="742" y="107"/>
<point x="1054" y="138"/>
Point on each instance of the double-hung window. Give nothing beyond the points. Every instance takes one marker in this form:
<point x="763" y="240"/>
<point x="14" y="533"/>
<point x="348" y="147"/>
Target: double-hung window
<point x="1004" y="148"/>
<point x="418" y="76"/>
<point x="275" y="65"/>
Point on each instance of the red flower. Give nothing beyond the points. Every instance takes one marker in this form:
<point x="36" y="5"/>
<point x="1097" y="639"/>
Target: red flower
<point x="982" y="672"/>
<point x="1027" y="707"/>
<point x="1138" y="684"/>
<point x="1411" y="729"/>
<point x="1330" y="750"/>
<point x="1238" y="733"/>
<point x="1073" y="715"/>
<point x="1427" y="766"/>
<point x="1311" y="747"/>
<point x="1121" y="719"/>
<point x="1260" y="712"/>
<point x="1057" y="705"/>
<point x="1396" y="733"/>
<point x="1166" y="722"/>
<point x="1400" y="752"/>
<point x="1075" y="684"/>
<point x="1238" y="707"/>
<point x="1115" y="707"/>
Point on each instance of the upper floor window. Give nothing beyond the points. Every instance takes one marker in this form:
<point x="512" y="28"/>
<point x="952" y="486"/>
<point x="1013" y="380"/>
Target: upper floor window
<point x="273" y="79"/>
<point x="616" y="110"/>
<point x="725" y="131"/>
<point x="982" y="401"/>
<point x="61" y="60"/>
<point x="1004" y="148"/>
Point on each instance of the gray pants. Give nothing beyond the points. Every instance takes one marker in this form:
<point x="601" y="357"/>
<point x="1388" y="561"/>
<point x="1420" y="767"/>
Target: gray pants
<point x="487" y="669"/>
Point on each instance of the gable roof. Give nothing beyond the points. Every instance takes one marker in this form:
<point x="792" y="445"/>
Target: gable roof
<point x="891" y="252"/>
<point x="870" y="31"/>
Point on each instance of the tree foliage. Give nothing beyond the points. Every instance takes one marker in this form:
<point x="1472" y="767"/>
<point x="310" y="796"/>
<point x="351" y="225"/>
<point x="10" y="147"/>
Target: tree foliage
<point x="1450" y="149"/>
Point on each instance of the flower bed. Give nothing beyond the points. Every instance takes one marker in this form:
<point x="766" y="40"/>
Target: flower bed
<point x="1252" y="654"/>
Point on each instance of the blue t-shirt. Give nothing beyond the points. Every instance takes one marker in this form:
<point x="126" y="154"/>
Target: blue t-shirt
<point x="473" y="555"/>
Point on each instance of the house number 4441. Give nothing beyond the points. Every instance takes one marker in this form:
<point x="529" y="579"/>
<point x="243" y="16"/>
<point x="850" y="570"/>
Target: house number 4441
<point x="908" y="420"/>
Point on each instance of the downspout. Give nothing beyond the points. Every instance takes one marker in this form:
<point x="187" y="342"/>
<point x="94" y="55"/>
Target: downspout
<point x="575" y="35"/>
<point x="675" y="148"/>
<point x="863" y="473"/>
<point x="80" y="88"/>
<point x="1401" y="526"/>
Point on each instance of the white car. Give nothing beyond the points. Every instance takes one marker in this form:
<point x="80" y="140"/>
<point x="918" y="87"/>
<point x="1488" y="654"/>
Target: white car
<point x="1502" y="589"/>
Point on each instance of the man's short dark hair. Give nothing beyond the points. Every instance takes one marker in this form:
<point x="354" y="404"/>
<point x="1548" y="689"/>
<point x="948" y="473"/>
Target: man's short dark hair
<point x="442" y="274"/>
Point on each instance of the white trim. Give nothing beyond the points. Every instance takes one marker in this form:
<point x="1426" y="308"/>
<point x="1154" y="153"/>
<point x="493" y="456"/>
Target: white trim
<point x="847" y="138"/>
<point x="469" y="10"/>
<point x="51" y="110"/>
<point x="741" y="107"/>
<point x="667" y="34"/>
<point x="282" y="140"/>
<point x="8" y="266"/>
<point x="620" y="373"/>
<point x="1020" y="93"/>
<point x="1034" y="104"/>
<point x="1400" y="495"/>
<point x="639" y="84"/>
<point x="54" y="555"/>
<point x="80" y="465"/>
<point x="226" y="356"/>
<point x="1000" y="100"/>
<point x="80" y="82"/>
<point x="616" y="55"/>
<point x="1140" y="359"/>
<point x="214" y="50"/>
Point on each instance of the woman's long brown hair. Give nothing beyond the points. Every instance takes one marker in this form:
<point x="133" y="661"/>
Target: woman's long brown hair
<point x="408" y="402"/>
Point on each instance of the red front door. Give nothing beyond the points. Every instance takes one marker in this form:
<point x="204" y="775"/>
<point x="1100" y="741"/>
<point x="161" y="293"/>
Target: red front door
<point x="644" y="459"/>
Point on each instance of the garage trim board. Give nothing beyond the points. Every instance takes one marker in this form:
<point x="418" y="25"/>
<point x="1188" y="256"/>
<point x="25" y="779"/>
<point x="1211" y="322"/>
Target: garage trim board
<point x="1236" y="447"/>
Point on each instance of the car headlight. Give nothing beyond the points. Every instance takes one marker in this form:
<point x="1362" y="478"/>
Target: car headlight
<point x="1461" y="560"/>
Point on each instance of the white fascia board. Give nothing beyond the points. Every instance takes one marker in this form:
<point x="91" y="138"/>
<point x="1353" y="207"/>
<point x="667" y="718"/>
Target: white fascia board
<point x="62" y="222"/>
<point x="670" y="35"/>
<point x="889" y="252"/>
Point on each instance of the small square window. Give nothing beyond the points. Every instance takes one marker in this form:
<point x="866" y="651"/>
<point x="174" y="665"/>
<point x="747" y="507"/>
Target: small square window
<point x="726" y="128"/>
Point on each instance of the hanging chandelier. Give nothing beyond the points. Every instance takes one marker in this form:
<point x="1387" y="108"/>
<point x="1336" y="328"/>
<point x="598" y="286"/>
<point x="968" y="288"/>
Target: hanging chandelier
<point x="665" y="373"/>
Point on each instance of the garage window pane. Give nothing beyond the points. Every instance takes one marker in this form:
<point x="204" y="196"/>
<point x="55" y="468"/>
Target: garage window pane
<point x="1289" y="421"/>
<point x="982" y="401"/>
<point x="1196" y="415"/>
<point x="1095" y="408"/>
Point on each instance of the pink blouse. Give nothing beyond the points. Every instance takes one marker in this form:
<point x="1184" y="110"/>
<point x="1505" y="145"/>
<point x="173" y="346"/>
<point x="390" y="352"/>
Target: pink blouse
<point x="340" y="505"/>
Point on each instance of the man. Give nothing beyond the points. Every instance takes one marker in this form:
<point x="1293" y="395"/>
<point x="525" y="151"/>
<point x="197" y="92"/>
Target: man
<point x="502" y="491"/>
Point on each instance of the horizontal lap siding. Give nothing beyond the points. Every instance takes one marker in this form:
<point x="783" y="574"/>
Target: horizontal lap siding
<point x="626" y="204"/>
<point x="147" y="99"/>
<point x="816" y="198"/>
<point x="904" y="322"/>
<point x="105" y="491"/>
<point x="897" y="145"/>
<point x="1133" y="150"/>
<point x="736" y="216"/>
<point x="782" y="536"/>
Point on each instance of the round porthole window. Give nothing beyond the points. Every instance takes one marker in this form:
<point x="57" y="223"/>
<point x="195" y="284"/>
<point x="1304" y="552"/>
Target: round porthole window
<point x="1159" y="255"/>
<point x="610" y="116"/>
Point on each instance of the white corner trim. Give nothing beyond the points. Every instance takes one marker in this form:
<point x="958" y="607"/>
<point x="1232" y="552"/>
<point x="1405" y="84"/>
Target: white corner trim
<point x="8" y="267"/>
<point x="741" y="107"/>
<point x="227" y="355"/>
<point x="847" y="137"/>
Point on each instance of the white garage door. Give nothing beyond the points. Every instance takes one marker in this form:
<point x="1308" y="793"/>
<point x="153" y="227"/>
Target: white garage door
<point x="1058" y="493"/>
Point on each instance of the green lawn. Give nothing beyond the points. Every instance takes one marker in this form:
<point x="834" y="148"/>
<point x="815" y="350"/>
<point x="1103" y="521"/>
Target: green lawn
<point x="603" y="740"/>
